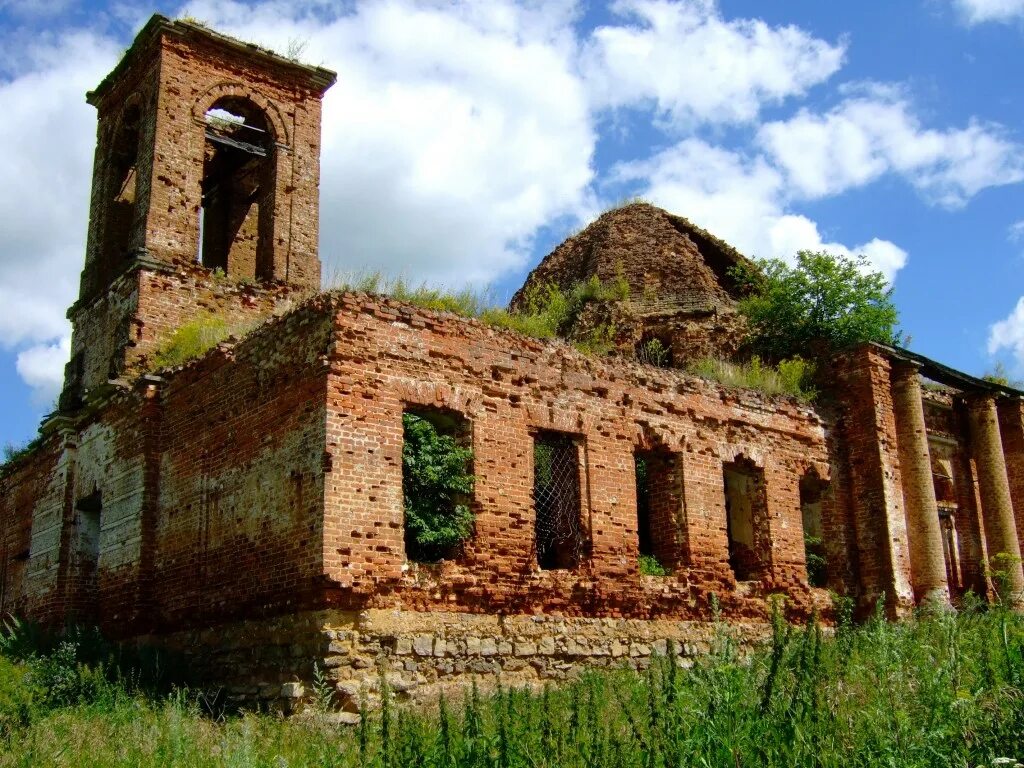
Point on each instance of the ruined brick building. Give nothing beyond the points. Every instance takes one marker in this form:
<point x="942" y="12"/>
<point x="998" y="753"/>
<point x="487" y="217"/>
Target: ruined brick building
<point x="246" y="508"/>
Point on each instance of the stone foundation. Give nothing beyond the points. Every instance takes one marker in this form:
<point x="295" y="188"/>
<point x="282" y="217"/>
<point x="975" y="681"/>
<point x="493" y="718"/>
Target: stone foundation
<point x="270" y="663"/>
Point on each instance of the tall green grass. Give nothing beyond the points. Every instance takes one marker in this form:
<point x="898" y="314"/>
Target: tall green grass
<point x="941" y="690"/>
<point x="790" y="377"/>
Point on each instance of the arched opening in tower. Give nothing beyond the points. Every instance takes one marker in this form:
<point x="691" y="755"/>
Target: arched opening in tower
<point x="122" y="184"/>
<point x="236" y="220"/>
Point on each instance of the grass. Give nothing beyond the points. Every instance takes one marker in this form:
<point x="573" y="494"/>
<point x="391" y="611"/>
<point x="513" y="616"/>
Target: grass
<point x="195" y="338"/>
<point x="790" y="377"/>
<point x="939" y="690"/>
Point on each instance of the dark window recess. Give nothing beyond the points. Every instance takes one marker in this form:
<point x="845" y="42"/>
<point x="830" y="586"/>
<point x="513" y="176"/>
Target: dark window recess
<point x="811" y="488"/>
<point x="658" y="501"/>
<point x="122" y="183"/>
<point x="556" y="499"/>
<point x="87" y="549"/>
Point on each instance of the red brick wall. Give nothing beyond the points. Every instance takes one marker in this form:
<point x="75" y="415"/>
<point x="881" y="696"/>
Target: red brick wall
<point x="387" y="356"/>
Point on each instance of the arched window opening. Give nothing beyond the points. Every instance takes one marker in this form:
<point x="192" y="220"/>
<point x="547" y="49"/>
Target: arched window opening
<point x="236" y="214"/>
<point x="746" y="511"/>
<point x="122" y="188"/>
<point x="811" y="489"/>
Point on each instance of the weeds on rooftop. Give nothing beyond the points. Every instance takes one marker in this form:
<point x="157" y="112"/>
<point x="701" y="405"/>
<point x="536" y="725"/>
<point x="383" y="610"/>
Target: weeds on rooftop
<point x="195" y="338"/>
<point x="790" y="377"/>
<point x="547" y="312"/>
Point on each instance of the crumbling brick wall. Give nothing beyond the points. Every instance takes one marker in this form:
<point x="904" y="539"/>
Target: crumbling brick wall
<point x="388" y="356"/>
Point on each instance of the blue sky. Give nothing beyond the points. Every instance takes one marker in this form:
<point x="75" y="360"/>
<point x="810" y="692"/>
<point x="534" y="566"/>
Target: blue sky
<point x="465" y="139"/>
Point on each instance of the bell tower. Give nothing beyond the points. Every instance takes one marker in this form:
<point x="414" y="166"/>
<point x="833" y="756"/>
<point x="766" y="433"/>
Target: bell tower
<point x="205" y="195"/>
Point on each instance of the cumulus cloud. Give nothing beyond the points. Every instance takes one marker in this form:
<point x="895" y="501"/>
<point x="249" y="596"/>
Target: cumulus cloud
<point x="744" y="201"/>
<point x="47" y="134"/>
<point x="42" y="368"/>
<point x="977" y="11"/>
<point x="695" y="66"/>
<point x="1008" y="334"/>
<point x="876" y="132"/>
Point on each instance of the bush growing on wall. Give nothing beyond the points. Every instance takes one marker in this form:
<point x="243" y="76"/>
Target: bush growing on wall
<point x="824" y="302"/>
<point x="436" y="483"/>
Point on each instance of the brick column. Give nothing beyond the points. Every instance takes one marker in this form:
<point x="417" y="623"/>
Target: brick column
<point x="927" y="564"/>
<point x="996" y="507"/>
<point x="1011" y="429"/>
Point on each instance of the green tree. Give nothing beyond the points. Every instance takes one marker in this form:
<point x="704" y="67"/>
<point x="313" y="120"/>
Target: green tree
<point x="823" y="303"/>
<point x="435" y="482"/>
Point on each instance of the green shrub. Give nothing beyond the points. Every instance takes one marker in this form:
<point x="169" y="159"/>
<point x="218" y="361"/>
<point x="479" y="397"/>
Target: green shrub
<point x="817" y="564"/>
<point x="823" y="302"/>
<point x="17" y="697"/>
<point x="435" y="484"/>
<point x="651" y="566"/>
<point x="789" y="378"/>
<point x="654" y="352"/>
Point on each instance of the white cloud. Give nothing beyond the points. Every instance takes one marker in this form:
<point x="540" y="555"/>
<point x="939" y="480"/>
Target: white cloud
<point x="696" y="66"/>
<point x="42" y="368"/>
<point x="1015" y="232"/>
<point x="876" y="132"/>
<point x="744" y="201"/>
<point x="977" y="11"/>
<point x="1008" y="334"/>
<point x="47" y="133"/>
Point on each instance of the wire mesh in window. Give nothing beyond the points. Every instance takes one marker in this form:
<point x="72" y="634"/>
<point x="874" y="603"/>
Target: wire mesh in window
<point x="556" y="498"/>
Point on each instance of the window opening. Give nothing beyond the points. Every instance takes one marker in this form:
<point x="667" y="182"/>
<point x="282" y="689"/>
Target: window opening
<point x="236" y="210"/>
<point x="556" y="501"/>
<point x="811" y="489"/>
<point x="658" y="498"/>
<point x="655" y="349"/>
<point x="437" y="484"/>
<point x="89" y="510"/>
<point x="746" y="518"/>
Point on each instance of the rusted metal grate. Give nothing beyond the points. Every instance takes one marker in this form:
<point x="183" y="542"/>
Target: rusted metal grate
<point x="556" y="498"/>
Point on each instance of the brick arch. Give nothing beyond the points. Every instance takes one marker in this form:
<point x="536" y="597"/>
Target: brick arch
<point x="241" y="91"/>
<point x="649" y="437"/>
<point x="753" y="455"/>
<point x="822" y="469"/>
